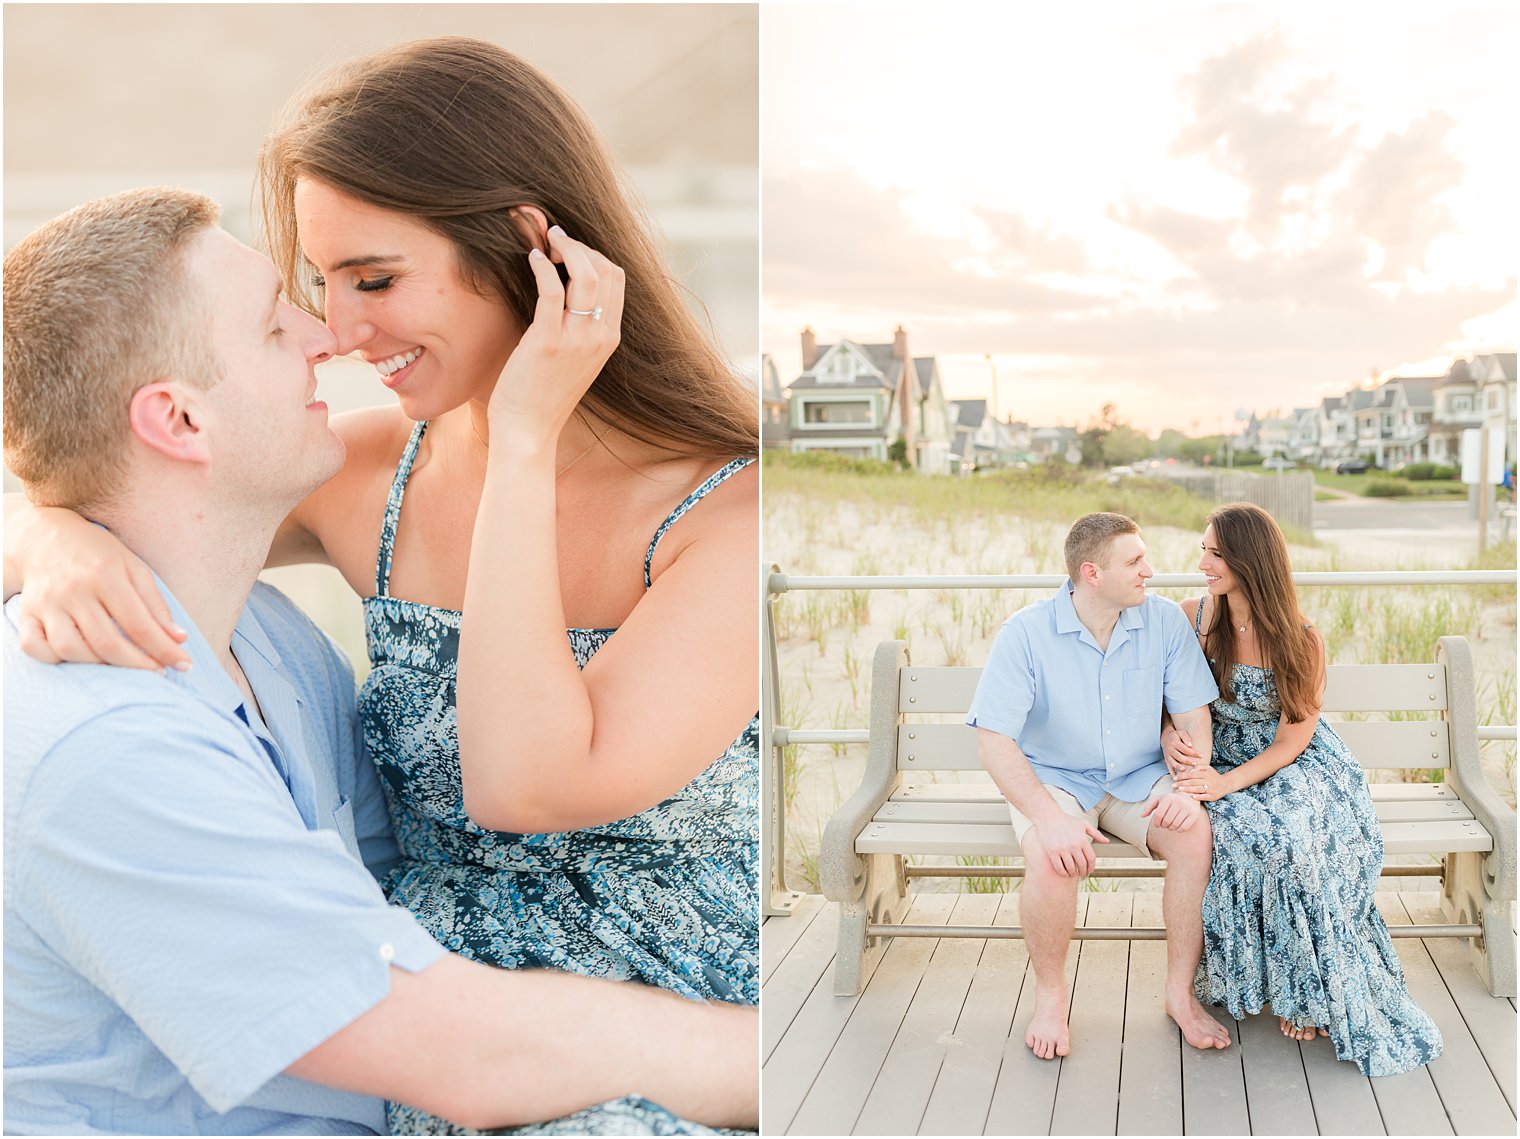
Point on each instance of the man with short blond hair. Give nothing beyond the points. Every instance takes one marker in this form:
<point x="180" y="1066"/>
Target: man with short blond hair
<point x="91" y="315"/>
<point x="195" y="941"/>
<point x="1089" y="538"/>
<point x="1068" y="719"/>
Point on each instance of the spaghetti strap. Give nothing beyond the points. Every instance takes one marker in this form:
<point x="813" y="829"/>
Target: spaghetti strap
<point x="1198" y="618"/>
<point x="393" y="510"/>
<point x="716" y="479"/>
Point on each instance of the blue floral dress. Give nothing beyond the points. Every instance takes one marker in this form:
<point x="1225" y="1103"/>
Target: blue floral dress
<point x="667" y="897"/>
<point x="1288" y="917"/>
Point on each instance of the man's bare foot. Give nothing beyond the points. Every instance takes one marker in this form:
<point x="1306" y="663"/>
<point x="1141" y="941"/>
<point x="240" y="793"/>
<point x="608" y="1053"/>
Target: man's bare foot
<point x="1048" y="1036"/>
<point x="1198" y="1028"/>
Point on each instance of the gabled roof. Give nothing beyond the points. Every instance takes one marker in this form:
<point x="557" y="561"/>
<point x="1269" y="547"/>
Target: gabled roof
<point x="928" y="372"/>
<point x="1456" y="374"/>
<point x="879" y="356"/>
<point x="970" y="413"/>
<point x="1491" y="365"/>
<point x="771" y="390"/>
<point x="1419" y="391"/>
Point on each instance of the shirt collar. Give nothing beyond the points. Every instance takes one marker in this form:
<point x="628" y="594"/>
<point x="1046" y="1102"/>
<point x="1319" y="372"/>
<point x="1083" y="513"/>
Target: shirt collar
<point x="207" y="678"/>
<point x="1067" y="620"/>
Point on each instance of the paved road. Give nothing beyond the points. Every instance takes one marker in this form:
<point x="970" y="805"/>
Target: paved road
<point x="1394" y="514"/>
<point x="1402" y="532"/>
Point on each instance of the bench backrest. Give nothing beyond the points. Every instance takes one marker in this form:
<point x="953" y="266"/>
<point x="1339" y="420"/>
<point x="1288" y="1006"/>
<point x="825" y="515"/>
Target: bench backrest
<point x="1403" y="689"/>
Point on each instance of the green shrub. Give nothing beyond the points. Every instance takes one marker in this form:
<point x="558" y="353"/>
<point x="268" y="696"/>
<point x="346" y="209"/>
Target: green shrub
<point x="1427" y="472"/>
<point x="1387" y="488"/>
<point x="821" y="460"/>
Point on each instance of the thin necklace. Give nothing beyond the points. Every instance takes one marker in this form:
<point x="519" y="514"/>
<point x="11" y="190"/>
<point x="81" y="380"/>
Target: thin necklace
<point x="605" y="432"/>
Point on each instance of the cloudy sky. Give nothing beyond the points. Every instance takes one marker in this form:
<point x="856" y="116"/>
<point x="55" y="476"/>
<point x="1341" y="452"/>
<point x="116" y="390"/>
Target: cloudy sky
<point x="1186" y="209"/>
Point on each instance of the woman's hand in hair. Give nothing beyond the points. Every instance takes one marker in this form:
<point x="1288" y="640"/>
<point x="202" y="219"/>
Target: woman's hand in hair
<point x="575" y="328"/>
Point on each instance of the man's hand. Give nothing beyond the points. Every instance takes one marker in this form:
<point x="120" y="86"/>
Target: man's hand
<point x="1174" y="811"/>
<point x="1067" y="842"/>
<point x="1179" y="751"/>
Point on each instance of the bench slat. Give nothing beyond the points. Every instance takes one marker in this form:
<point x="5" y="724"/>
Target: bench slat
<point x="997" y="839"/>
<point x="995" y="810"/>
<point x="1348" y="688"/>
<point x="982" y="790"/>
<point x="1375" y="743"/>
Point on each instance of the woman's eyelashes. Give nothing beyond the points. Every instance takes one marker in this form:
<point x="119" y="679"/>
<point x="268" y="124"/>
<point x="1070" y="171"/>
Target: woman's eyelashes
<point x="363" y="285"/>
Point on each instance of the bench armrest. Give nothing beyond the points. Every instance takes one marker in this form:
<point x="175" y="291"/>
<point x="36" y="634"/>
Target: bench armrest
<point x="839" y="868"/>
<point x="1497" y="816"/>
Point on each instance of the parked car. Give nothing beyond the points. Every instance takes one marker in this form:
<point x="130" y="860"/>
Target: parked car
<point x="1351" y="467"/>
<point x="1278" y="463"/>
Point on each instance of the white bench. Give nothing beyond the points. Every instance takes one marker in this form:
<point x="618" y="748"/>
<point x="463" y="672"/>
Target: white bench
<point x="892" y="815"/>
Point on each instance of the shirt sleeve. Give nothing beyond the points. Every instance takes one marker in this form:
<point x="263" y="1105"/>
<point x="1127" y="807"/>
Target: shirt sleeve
<point x="1006" y="692"/>
<point x="1187" y="683"/>
<point x="165" y="861"/>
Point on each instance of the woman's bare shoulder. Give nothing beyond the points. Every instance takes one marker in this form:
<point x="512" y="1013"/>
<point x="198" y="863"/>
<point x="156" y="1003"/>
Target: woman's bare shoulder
<point x="1190" y="608"/>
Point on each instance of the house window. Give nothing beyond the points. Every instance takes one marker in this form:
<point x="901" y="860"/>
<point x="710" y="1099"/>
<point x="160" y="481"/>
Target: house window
<point x="1461" y="403"/>
<point x="837" y="411"/>
<point x="1493" y="399"/>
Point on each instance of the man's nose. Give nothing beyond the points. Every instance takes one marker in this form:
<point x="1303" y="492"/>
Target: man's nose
<point x="348" y="329"/>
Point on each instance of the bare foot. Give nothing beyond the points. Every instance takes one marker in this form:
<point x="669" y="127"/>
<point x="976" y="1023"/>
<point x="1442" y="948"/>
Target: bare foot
<point x="1048" y="1036"/>
<point x="1198" y="1028"/>
<point x="1293" y="1032"/>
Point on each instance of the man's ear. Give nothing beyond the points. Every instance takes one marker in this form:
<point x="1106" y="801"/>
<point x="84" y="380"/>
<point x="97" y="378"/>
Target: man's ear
<point x="533" y="224"/>
<point x="1089" y="572"/>
<point x="168" y="418"/>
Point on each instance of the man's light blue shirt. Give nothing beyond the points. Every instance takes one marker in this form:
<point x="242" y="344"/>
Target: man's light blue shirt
<point x="1089" y="720"/>
<point x="186" y="909"/>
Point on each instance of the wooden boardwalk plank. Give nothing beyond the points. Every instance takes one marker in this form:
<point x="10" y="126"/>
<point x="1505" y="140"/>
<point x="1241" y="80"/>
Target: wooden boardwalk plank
<point x="1277" y="1088"/>
<point x="1409" y="1102"/>
<point x="1150" y="1075"/>
<point x="1087" y="1094"/>
<point x="1023" y="1100"/>
<point x="962" y="1095"/>
<point x="936" y="1042"/>
<point x="1470" y="1096"/>
<point x="1343" y="1099"/>
<point x="804" y="1036"/>
<point x="1490" y="1019"/>
<point x="809" y="965"/>
<point x="846" y="1077"/>
<point x="779" y="934"/>
<point x="900" y="1095"/>
<point x="1214" y="1088"/>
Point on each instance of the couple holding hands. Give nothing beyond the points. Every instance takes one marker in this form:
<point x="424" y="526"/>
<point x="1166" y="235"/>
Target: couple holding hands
<point x="1260" y="811"/>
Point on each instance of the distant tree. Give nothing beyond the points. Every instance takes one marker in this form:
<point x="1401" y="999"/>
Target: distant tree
<point x="897" y="451"/>
<point x="1169" y="444"/>
<point x="1194" y="450"/>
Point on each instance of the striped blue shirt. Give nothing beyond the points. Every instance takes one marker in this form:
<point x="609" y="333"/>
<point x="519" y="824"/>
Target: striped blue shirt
<point x="1089" y="720"/>
<point x="186" y="908"/>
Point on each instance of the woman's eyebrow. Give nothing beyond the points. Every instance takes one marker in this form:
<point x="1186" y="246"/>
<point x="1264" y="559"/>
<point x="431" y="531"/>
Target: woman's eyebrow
<point x="367" y="260"/>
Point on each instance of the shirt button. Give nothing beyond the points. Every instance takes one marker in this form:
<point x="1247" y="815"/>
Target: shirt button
<point x="387" y="952"/>
<point x="1108" y="731"/>
<point x="1106" y="696"/>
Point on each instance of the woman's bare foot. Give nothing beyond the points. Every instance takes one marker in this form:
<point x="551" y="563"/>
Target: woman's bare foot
<point x="1198" y="1028"/>
<point x="1048" y="1036"/>
<point x="1293" y="1032"/>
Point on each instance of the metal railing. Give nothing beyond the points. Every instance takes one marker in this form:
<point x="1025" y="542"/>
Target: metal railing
<point x="778" y="899"/>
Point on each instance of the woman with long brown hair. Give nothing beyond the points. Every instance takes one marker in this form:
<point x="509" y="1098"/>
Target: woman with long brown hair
<point x="567" y="458"/>
<point x="1288" y="917"/>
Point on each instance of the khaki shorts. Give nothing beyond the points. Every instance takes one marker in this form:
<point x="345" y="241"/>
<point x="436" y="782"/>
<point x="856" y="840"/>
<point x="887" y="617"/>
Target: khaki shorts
<point x="1115" y="816"/>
